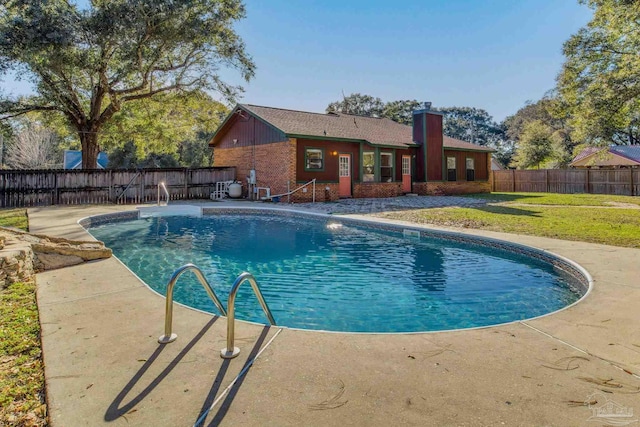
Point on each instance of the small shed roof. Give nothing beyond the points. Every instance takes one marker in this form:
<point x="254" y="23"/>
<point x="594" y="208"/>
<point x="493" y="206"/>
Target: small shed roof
<point x="627" y="155"/>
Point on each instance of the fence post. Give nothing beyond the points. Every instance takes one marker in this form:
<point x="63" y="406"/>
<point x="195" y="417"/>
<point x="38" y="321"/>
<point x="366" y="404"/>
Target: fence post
<point x="141" y="195"/>
<point x="56" y="194"/>
<point x="186" y="184"/>
<point x="546" y="179"/>
<point x="110" y="186"/>
<point x="588" y="181"/>
<point x="513" y="181"/>
<point x="631" y="180"/>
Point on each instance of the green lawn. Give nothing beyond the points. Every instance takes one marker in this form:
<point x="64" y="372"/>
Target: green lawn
<point x="557" y="199"/>
<point x="571" y="218"/>
<point x="14" y="218"/>
<point x="21" y="371"/>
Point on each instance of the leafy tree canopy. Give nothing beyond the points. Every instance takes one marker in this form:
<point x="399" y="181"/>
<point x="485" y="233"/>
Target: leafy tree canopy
<point x="535" y="145"/>
<point x="600" y="79"/>
<point x="471" y="124"/>
<point x="160" y="124"/>
<point x="465" y="123"/>
<point x="551" y="112"/>
<point x="401" y="111"/>
<point x="358" y="104"/>
<point x="88" y="64"/>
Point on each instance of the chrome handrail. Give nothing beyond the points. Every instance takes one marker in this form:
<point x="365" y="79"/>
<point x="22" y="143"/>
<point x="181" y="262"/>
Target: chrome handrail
<point x="230" y="352"/>
<point x="166" y="192"/>
<point x="168" y="319"/>
<point x="289" y="193"/>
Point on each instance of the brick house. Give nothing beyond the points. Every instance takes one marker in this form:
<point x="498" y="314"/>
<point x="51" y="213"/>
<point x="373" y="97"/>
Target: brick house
<point x="348" y="155"/>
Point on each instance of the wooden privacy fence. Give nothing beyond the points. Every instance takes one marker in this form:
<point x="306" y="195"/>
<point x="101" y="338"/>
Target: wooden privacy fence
<point x="24" y="188"/>
<point x="624" y="182"/>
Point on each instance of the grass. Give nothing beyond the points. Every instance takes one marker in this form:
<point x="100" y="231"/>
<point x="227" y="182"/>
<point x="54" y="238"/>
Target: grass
<point x="558" y="199"/>
<point x="570" y="217"/>
<point x="21" y="371"/>
<point x="14" y="218"/>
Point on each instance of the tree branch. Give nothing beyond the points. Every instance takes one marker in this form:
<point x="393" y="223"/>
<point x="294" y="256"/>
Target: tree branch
<point x="24" y="109"/>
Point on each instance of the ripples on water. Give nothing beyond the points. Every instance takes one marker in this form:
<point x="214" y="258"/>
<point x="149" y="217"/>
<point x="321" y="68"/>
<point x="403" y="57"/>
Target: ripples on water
<point x="346" y="278"/>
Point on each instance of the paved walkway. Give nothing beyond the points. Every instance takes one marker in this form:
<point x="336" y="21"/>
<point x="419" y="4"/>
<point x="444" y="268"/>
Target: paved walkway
<point x="367" y="206"/>
<point x="104" y="367"/>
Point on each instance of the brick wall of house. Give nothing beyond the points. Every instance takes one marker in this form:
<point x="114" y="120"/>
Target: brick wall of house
<point x="435" y="188"/>
<point x="275" y="164"/>
<point x="377" y="189"/>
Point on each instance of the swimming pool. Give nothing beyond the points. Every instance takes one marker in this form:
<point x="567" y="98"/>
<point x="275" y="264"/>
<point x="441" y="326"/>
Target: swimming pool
<point x="327" y="273"/>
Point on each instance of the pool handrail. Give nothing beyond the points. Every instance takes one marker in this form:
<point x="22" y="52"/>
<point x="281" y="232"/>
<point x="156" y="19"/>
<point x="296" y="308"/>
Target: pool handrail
<point x="231" y="351"/>
<point x="168" y="319"/>
<point x="166" y="192"/>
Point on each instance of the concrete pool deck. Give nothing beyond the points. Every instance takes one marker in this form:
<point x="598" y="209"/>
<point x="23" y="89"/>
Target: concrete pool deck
<point x="103" y="365"/>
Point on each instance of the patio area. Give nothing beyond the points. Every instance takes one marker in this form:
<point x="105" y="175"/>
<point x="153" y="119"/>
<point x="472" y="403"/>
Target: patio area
<point x="103" y="364"/>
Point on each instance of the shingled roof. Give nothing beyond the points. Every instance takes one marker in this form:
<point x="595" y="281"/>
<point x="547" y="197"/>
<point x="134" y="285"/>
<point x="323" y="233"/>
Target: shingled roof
<point x="631" y="152"/>
<point x="377" y="131"/>
<point x="374" y="130"/>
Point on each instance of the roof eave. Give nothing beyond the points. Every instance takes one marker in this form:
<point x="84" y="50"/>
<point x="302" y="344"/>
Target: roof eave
<point x="481" y="150"/>
<point x="213" y="141"/>
<point x="341" y="139"/>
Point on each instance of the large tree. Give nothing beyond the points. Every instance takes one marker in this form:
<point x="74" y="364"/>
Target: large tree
<point x="535" y="145"/>
<point x="600" y="79"/>
<point x="160" y="124"/>
<point x="552" y="113"/>
<point x="88" y="63"/>
<point x="401" y="111"/>
<point x="356" y="103"/>
<point x="471" y="124"/>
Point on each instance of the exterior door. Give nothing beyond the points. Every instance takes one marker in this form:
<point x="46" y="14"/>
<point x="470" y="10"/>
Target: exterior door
<point x="344" y="172"/>
<point x="406" y="174"/>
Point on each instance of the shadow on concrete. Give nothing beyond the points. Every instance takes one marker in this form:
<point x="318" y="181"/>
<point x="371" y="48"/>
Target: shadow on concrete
<point x="226" y="404"/>
<point x="117" y="409"/>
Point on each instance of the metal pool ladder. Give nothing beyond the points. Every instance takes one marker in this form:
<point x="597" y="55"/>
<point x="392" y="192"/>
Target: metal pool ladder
<point x="230" y="351"/>
<point x="168" y="318"/>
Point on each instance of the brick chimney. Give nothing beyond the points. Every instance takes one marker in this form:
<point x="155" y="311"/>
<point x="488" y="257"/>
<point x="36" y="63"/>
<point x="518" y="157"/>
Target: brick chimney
<point x="427" y="133"/>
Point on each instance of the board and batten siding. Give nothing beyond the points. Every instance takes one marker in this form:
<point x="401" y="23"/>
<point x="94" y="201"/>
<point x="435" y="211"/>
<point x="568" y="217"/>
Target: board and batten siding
<point x="434" y="147"/>
<point x="480" y="163"/>
<point x="245" y="131"/>
<point x="332" y="150"/>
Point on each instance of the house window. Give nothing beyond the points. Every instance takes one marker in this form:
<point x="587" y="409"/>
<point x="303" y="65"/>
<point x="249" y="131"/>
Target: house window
<point x="386" y="167"/>
<point x="471" y="169"/>
<point x="406" y="165"/>
<point x="451" y="168"/>
<point x="368" y="166"/>
<point x="314" y="159"/>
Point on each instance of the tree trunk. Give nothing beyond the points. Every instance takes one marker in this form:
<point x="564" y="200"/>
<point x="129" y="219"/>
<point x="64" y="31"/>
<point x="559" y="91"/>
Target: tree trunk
<point x="90" y="149"/>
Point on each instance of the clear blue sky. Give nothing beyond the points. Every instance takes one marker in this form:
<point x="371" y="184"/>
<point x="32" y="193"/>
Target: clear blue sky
<point x="491" y="54"/>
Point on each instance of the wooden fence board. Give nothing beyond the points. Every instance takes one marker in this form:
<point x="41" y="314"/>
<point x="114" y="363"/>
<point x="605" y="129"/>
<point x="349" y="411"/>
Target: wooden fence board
<point x="76" y="187"/>
<point x="624" y="182"/>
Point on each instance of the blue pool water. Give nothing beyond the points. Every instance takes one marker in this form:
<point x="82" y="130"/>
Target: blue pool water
<point x="340" y="278"/>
